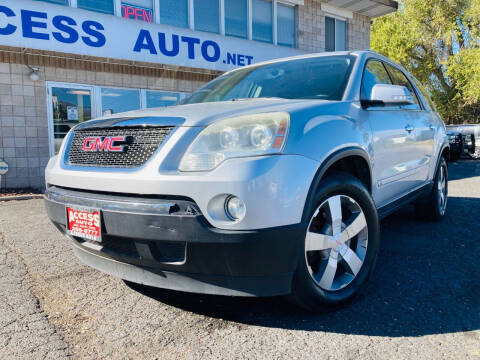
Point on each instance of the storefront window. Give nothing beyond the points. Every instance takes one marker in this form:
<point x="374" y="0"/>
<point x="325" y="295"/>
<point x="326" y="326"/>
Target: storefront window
<point x="335" y="34"/>
<point x="119" y="100"/>
<point x="207" y="15"/>
<point x="162" y="98"/>
<point x="70" y="106"/>
<point x="102" y="6"/>
<point x="138" y="10"/>
<point x="262" y="27"/>
<point x="286" y="25"/>
<point x="174" y="12"/>
<point x="59" y="2"/>
<point x="236" y="15"/>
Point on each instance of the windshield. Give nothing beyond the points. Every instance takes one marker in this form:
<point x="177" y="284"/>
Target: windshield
<point x="322" y="78"/>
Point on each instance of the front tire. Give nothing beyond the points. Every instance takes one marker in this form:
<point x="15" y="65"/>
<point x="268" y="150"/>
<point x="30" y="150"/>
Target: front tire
<point x="340" y="247"/>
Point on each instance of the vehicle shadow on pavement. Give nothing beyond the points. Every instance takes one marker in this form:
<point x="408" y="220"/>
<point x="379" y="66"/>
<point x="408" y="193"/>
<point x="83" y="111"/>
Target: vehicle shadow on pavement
<point x="427" y="281"/>
<point x="463" y="169"/>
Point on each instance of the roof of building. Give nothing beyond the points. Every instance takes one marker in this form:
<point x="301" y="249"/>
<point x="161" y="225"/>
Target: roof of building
<point x="370" y="8"/>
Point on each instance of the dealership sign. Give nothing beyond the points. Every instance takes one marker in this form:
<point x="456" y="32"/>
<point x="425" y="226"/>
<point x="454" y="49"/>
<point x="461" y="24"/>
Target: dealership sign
<point x="37" y="25"/>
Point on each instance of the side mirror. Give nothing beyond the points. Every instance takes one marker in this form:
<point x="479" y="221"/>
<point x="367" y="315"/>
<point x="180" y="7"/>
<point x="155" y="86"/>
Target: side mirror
<point x="388" y="95"/>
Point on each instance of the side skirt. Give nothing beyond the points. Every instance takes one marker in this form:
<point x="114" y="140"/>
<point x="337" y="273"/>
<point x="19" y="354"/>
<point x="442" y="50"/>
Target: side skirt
<point x="406" y="199"/>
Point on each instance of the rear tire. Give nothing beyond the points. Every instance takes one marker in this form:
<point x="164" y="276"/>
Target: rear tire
<point x="341" y="245"/>
<point x="435" y="207"/>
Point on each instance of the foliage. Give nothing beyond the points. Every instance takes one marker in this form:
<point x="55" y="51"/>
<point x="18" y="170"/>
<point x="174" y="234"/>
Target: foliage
<point x="439" y="43"/>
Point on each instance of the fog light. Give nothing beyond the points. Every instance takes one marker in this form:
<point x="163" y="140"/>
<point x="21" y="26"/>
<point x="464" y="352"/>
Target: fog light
<point x="235" y="208"/>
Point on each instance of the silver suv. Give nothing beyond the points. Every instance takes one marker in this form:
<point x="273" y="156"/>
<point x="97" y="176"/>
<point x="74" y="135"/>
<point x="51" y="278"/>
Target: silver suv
<point x="269" y="180"/>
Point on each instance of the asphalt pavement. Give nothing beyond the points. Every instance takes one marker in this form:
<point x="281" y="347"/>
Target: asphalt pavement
<point x="423" y="301"/>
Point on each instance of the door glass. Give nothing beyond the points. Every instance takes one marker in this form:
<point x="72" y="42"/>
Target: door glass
<point x="119" y="100"/>
<point x="400" y="79"/>
<point x="70" y="107"/>
<point x="162" y="98"/>
<point x="374" y="74"/>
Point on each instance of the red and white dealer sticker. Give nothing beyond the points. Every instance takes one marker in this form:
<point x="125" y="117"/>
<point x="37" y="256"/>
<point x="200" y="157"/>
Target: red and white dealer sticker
<point x="84" y="223"/>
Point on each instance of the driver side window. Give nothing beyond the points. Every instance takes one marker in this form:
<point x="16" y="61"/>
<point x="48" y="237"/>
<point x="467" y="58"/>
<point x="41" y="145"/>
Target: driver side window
<point x="373" y="74"/>
<point x="399" y="78"/>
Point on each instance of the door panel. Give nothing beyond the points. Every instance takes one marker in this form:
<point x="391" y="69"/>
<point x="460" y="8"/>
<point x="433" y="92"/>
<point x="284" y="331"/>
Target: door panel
<point x="396" y="161"/>
<point x="395" y="167"/>
<point x="420" y="120"/>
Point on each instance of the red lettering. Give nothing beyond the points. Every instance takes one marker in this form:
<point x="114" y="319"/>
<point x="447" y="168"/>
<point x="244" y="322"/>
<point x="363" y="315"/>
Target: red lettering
<point x="118" y="148"/>
<point x="138" y="13"/>
<point x="148" y="16"/>
<point x="101" y="145"/>
<point x="88" y="144"/>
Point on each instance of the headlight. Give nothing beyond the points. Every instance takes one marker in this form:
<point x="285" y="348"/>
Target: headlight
<point x="248" y="135"/>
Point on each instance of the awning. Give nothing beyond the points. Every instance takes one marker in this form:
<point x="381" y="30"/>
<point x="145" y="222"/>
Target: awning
<point x="370" y="8"/>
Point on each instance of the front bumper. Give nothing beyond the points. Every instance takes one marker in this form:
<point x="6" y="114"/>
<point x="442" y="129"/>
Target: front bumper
<point x="274" y="188"/>
<point x="167" y="243"/>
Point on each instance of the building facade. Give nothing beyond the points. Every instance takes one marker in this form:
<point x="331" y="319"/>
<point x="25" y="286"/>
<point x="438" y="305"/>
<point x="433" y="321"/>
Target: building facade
<point x="67" y="61"/>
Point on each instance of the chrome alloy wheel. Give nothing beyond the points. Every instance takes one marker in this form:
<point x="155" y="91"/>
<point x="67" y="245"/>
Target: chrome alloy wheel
<point x="442" y="191"/>
<point x="336" y="242"/>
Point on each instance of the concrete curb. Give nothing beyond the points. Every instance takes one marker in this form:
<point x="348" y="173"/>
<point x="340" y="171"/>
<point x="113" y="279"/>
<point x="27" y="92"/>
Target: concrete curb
<point x="21" y="197"/>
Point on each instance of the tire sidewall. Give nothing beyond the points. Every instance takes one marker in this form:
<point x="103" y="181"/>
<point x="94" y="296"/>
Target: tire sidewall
<point x="442" y="163"/>
<point x="304" y="286"/>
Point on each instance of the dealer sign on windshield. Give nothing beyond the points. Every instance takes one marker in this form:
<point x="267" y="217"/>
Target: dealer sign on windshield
<point x="84" y="223"/>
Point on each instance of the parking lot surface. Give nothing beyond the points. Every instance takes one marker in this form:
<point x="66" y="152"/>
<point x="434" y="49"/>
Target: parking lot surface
<point x="422" y="303"/>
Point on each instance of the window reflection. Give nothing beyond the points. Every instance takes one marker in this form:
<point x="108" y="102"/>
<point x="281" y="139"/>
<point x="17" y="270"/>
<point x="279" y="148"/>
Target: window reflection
<point x="162" y="98"/>
<point x="119" y="100"/>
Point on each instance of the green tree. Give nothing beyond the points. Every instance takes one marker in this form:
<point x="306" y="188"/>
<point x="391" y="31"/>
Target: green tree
<point x="439" y="43"/>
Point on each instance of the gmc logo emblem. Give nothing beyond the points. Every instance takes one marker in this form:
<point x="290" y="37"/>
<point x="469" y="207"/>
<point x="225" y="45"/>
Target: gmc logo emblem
<point x="105" y="143"/>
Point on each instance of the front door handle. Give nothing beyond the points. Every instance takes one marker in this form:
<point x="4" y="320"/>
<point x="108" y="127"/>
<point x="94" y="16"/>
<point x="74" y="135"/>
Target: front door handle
<point x="409" y="128"/>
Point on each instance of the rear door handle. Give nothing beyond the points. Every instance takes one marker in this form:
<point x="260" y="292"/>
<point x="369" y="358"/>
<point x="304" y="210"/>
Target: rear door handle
<point x="409" y="128"/>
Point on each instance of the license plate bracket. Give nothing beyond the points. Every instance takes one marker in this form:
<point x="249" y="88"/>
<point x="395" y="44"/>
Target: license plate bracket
<point x="84" y="222"/>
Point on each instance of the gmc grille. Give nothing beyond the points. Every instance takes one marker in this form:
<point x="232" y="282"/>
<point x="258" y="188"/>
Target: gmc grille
<point x="143" y="143"/>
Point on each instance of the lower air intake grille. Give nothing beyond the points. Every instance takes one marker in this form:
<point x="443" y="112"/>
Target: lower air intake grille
<point x="137" y="146"/>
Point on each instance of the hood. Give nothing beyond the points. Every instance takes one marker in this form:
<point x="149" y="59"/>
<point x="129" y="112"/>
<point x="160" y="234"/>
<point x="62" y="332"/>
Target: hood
<point x="201" y="114"/>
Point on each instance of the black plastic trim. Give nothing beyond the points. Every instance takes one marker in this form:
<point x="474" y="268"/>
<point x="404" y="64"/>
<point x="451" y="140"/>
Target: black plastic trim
<point x="185" y="244"/>
<point x="390" y="208"/>
<point x="329" y="161"/>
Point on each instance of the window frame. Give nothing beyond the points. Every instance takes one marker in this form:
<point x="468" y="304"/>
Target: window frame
<point x="363" y="74"/>
<point x="390" y="108"/>
<point x="421" y="106"/>
<point x="335" y="19"/>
